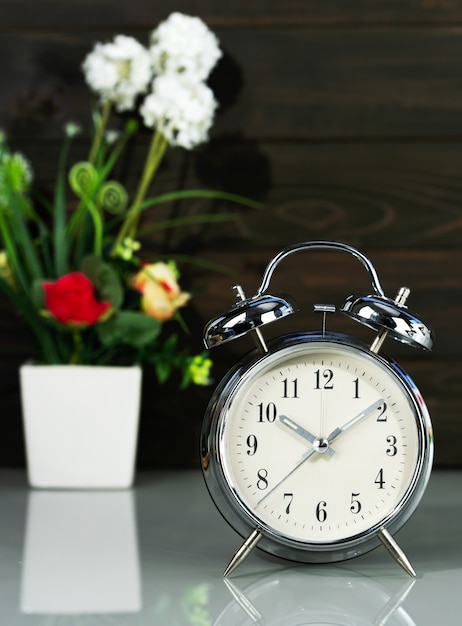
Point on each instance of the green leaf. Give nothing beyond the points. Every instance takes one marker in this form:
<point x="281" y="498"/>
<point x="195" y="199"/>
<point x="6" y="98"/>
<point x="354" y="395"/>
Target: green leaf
<point x="201" y="193"/>
<point x="24" y="241"/>
<point x="129" y="327"/>
<point x="60" y="240"/>
<point x="163" y="371"/>
<point x="105" y="279"/>
<point x="49" y="347"/>
<point x="37" y="295"/>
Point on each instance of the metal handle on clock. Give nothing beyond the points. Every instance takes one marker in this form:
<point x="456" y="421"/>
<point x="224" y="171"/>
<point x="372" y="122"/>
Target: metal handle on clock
<point x="387" y="316"/>
<point x="249" y="314"/>
<point x="320" y="245"/>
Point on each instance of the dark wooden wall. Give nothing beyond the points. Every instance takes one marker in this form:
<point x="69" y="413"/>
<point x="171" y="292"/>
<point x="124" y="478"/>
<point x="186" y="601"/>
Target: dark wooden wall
<point x="343" y="118"/>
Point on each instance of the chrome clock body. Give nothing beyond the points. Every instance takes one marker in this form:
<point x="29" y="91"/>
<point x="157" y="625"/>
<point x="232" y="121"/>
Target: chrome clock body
<point x="315" y="446"/>
<point x="320" y="444"/>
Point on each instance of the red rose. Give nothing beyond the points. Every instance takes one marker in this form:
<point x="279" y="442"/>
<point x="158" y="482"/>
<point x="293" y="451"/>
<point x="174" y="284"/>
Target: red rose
<point x="71" y="300"/>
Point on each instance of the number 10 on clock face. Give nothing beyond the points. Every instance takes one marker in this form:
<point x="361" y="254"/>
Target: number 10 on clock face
<point x="320" y="444"/>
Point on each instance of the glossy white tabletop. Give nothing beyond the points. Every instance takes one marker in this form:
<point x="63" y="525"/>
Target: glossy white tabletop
<point x="154" y="556"/>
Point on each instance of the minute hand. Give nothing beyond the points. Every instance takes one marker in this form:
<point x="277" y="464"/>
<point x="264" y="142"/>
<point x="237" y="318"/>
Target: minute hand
<point x="354" y="420"/>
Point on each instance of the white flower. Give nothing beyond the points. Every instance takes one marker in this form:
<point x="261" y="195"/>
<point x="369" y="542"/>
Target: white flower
<point x="111" y="136"/>
<point x="181" y="109"/>
<point x="184" y="45"/>
<point x="118" y="71"/>
<point x="72" y="129"/>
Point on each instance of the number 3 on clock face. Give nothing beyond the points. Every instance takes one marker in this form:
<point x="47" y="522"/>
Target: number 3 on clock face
<point x="319" y="444"/>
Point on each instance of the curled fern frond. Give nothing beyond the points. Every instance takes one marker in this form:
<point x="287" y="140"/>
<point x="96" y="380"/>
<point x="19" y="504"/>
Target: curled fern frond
<point x="112" y="197"/>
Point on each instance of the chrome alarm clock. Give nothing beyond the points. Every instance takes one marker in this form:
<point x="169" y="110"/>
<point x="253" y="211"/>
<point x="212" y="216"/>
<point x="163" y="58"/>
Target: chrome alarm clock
<point x="316" y="446"/>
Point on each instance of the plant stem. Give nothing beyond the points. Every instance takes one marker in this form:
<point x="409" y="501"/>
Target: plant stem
<point x="60" y="243"/>
<point x="76" y="355"/>
<point x="101" y="127"/>
<point x="156" y="152"/>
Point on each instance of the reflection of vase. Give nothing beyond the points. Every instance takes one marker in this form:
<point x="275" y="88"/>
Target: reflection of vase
<point x="81" y="424"/>
<point x="80" y="553"/>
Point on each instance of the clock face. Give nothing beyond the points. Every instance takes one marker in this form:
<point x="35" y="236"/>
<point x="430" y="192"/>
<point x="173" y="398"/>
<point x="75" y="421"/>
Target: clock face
<point x="321" y="442"/>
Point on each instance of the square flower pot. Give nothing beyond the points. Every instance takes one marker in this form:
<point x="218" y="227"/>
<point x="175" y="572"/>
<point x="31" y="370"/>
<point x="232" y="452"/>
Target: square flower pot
<point x="81" y="425"/>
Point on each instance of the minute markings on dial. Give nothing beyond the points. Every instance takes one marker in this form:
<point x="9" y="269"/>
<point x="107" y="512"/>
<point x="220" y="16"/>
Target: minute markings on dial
<point x="355" y="420"/>
<point x="320" y="481"/>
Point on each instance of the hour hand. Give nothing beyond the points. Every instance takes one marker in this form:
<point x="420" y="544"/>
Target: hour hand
<point x="299" y="430"/>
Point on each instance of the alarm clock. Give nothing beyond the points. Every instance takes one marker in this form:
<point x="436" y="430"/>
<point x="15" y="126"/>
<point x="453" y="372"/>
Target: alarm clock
<point x="316" y="446"/>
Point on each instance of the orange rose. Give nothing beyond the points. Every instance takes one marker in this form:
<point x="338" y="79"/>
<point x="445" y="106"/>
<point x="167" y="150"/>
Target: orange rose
<point x="162" y="295"/>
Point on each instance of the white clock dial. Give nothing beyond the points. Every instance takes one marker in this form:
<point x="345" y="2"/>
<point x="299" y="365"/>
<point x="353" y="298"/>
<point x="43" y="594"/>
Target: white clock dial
<point x="320" y="442"/>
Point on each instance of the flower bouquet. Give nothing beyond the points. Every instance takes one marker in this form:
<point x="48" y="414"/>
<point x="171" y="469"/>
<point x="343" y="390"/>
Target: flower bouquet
<point x="72" y="265"/>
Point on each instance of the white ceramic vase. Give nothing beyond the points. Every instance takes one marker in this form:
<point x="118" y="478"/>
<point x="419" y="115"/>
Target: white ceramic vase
<point x="81" y="425"/>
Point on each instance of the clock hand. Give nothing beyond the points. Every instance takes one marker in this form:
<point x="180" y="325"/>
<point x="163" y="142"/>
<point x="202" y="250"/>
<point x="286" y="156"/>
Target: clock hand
<point x="354" y="420"/>
<point x="299" y="430"/>
<point x="334" y="434"/>
<point x="304" y="458"/>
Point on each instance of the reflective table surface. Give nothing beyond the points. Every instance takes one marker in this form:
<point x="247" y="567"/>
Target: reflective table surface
<point x="154" y="556"/>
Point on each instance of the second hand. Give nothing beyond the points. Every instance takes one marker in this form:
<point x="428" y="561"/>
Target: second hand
<point x="333" y="435"/>
<point x="305" y="457"/>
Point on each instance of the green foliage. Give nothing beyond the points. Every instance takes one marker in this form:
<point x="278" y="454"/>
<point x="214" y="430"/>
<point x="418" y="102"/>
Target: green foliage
<point x="130" y="328"/>
<point x="105" y="280"/>
<point x="46" y="243"/>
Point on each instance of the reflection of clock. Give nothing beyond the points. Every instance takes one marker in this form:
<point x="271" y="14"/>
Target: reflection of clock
<point x="296" y="598"/>
<point x="315" y="446"/>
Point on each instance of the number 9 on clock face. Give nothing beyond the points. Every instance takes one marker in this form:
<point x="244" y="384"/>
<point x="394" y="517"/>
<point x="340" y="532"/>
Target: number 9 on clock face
<point x="319" y="444"/>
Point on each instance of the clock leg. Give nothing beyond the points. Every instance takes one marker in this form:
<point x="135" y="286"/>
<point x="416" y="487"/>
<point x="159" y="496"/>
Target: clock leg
<point x="244" y="551"/>
<point x="395" y="551"/>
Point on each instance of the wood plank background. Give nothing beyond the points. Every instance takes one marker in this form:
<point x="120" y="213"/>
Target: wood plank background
<point x="343" y="118"/>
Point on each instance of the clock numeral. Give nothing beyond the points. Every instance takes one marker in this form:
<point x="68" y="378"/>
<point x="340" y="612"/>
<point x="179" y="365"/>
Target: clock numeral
<point x="392" y="450"/>
<point x="379" y="479"/>
<point x="321" y="513"/>
<point x="356" y="395"/>
<point x="268" y="413"/>
<point x="327" y="375"/>
<point x="290" y="388"/>
<point x="381" y="416"/>
<point x="355" y="506"/>
<point x="289" y="497"/>
<point x="252" y="445"/>
<point x="262" y="482"/>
